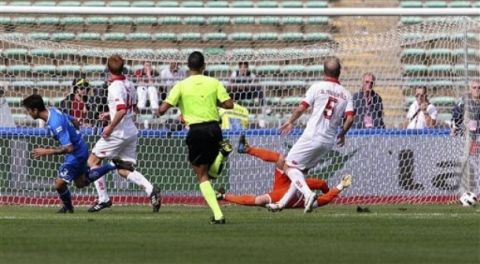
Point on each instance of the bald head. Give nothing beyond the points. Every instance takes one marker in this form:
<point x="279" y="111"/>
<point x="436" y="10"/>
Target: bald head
<point x="332" y="67"/>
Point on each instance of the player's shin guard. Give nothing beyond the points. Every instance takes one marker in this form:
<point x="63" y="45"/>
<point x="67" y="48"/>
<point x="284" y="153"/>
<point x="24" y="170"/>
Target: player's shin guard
<point x="209" y="195"/>
<point x="66" y="198"/>
<point x="98" y="172"/>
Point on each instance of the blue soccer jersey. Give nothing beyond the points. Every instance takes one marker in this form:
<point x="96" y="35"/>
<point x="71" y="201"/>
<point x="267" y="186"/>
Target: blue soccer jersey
<point x="62" y="129"/>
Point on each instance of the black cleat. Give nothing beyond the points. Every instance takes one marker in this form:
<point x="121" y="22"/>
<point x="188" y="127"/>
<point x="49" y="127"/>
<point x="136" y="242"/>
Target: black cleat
<point x="97" y="207"/>
<point x="122" y="165"/>
<point x="156" y="199"/>
<point x="65" y="210"/>
<point x="220" y="193"/>
<point x="213" y="221"/>
<point x="242" y="144"/>
<point x="225" y="148"/>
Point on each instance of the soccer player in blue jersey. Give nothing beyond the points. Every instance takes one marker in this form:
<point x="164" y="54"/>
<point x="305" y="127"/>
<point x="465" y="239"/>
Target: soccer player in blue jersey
<point x="64" y="128"/>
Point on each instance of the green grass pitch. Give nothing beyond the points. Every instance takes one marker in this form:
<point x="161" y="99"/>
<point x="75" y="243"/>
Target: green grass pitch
<point x="182" y="234"/>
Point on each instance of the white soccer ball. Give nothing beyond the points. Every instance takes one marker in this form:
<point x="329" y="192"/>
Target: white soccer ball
<point x="468" y="199"/>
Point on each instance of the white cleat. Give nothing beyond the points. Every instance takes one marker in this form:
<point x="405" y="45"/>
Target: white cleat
<point x="346" y="181"/>
<point x="309" y="201"/>
<point x="274" y="207"/>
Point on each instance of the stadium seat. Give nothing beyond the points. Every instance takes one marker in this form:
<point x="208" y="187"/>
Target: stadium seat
<point x="145" y="20"/>
<point x="15" y="53"/>
<point x="121" y="20"/>
<point x="411" y="4"/>
<point x="94" y="68"/>
<point x="170" y="20"/>
<point x="114" y="36"/>
<point x="23" y="84"/>
<point x="69" y="69"/>
<point x="140" y="36"/>
<point x="471" y="68"/>
<point x="415" y="68"/>
<point x="316" y="4"/>
<point x="293" y="68"/>
<point x="214" y="36"/>
<point x="20" y="3"/>
<point x="439" y="52"/>
<point x="97" y="20"/>
<point x="291" y="100"/>
<point x="214" y="51"/>
<point x="192" y="4"/>
<point x="167" y="4"/>
<point x="460" y="4"/>
<point x="48" y="20"/>
<point x="265" y="36"/>
<point x="89" y="36"/>
<point x="94" y="3"/>
<point x="314" y="69"/>
<point x="38" y="35"/>
<point x="44" y="69"/>
<point x="217" y="4"/>
<point x="267" y="4"/>
<point x="167" y="52"/>
<point x="317" y="20"/>
<point x="61" y="53"/>
<point x="273" y="100"/>
<point x="266" y="52"/>
<point x="317" y="36"/>
<point x="244" y="20"/>
<point x="68" y="3"/>
<point x="292" y="36"/>
<point x="72" y="20"/>
<point x="165" y="36"/>
<point x="267" y="69"/>
<point x="291" y="52"/>
<point x="241" y="52"/>
<point x="292" y="4"/>
<point x="242" y="4"/>
<point x="435" y="4"/>
<point x="5" y="20"/>
<point x="461" y="52"/>
<point x="119" y="3"/>
<point x="294" y="83"/>
<point x="442" y="100"/>
<point x="413" y="52"/>
<point x="143" y="4"/>
<point x="218" y="20"/>
<point x="218" y="68"/>
<point x="21" y="20"/>
<point x="14" y="101"/>
<point x="194" y="20"/>
<point x="48" y="84"/>
<point x="271" y="83"/>
<point x="440" y="68"/>
<point x="241" y="36"/>
<point x="19" y="68"/>
<point x="189" y="36"/>
<point x="292" y="20"/>
<point x="40" y="52"/>
<point x="409" y="20"/>
<point x="269" y="20"/>
<point x="45" y="3"/>
<point x="62" y="36"/>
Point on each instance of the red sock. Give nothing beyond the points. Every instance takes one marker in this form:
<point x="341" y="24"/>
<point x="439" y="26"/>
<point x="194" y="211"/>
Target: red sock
<point x="328" y="197"/>
<point x="240" y="199"/>
<point x="317" y="184"/>
<point x="264" y="154"/>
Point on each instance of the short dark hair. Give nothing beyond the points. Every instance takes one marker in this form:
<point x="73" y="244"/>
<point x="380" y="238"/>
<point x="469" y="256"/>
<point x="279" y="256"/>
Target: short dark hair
<point x="34" y="101"/>
<point x="115" y="64"/>
<point x="332" y="67"/>
<point x="243" y="63"/>
<point x="196" y="61"/>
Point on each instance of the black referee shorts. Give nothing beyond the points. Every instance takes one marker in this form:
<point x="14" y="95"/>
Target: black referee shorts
<point x="203" y="141"/>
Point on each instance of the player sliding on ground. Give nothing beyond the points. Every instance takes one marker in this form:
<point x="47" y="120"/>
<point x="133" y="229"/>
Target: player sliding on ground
<point x="281" y="183"/>
<point x="64" y="128"/>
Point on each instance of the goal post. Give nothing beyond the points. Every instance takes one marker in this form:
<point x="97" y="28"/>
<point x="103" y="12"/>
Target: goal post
<point x="42" y="50"/>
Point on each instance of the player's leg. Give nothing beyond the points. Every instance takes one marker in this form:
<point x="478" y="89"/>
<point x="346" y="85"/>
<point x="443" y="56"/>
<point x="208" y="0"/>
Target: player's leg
<point x="66" y="175"/>
<point x="103" y="201"/>
<point x="333" y="193"/>
<point x="281" y="197"/>
<point x="262" y="153"/>
<point x="153" y="97"/>
<point x="246" y="199"/>
<point x="317" y="184"/>
<point x="216" y="168"/>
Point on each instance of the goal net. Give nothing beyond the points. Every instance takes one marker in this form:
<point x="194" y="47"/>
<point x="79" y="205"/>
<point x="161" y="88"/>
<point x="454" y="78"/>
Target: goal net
<point x="44" y="53"/>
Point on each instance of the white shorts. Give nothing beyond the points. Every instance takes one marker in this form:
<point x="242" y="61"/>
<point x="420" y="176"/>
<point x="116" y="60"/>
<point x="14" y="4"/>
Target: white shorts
<point x="307" y="153"/>
<point x="143" y="92"/>
<point x="125" y="148"/>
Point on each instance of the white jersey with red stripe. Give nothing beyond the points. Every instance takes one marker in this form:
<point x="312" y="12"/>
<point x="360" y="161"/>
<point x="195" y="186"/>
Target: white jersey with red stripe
<point x="122" y="95"/>
<point x="330" y="102"/>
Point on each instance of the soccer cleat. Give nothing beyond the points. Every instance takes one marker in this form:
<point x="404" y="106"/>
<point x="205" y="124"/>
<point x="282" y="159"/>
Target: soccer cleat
<point x="97" y="207"/>
<point x="65" y="210"/>
<point x="346" y="181"/>
<point x="216" y="168"/>
<point x="220" y="193"/>
<point x="309" y="202"/>
<point x="274" y="207"/>
<point x="156" y="199"/>
<point x="122" y="165"/>
<point x="225" y="148"/>
<point x="214" y="221"/>
<point x="242" y="144"/>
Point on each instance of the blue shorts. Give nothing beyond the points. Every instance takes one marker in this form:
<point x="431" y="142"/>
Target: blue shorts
<point x="72" y="169"/>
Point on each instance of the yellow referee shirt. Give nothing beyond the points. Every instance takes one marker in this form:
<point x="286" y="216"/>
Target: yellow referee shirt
<point x="197" y="96"/>
<point x="236" y="118"/>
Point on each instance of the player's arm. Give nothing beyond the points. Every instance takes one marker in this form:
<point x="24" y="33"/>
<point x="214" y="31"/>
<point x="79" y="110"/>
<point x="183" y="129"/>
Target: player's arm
<point x="297" y="113"/>
<point x="224" y="100"/>
<point x="65" y="148"/>
<point x="347" y="122"/>
<point x="171" y="100"/>
<point x="227" y="104"/>
<point x="163" y="108"/>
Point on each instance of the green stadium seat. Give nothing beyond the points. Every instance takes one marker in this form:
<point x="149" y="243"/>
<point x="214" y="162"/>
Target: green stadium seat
<point x="97" y="84"/>
<point x="143" y="52"/>
<point x="23" y="84"/>
<point x="290" y="101"/>
<point x="244" y="20"/>
<point x="61" y="53"/>
<point x="69" y="3"/>
<point x="97" y="20"/>
<point x="415" y="68"/>
<point x="14" y="101"/>
<point x="316" y="4"/>
<point x="440" y="68"/>
<point x="94" y="68"/>
<point x="62" y="36"/>
<point x="266" y="52"/>
<point x="165" y="36"/>
<point x="38" y="35"/>
<point x="167" y="52"/>
<point x="295" y="83"/>
<point x="41" y="52"/>
<point x="14" y="35"/>
<point x="460" y="4"/>
<point x="214" y="51"/>
<point x="291" y="52"/>
<point x="273" y="100"/>
<point x="140" y="36"/>
<point x="269" y="20"/>
<point x="218" y="20"/>
<point x="194" y="20"/>
<point x="439" y="52"/>
<point x="409" y="20"/>
<point x="217" y="4"/>
<point x="292" y="4"/>
<point x="89" y="36"/>
<point x="413" y="52"/>
<point x="411" y="4"/>
<point x="19" y="68"/>
<point x="241" y="36"/>
<point x="3" y="68"/>
<point x="119" y="3"/>
<point x="215" y="36"/>
<point x="267" y="69"/>
<point x="265" y="36"/>
<point x="292" y="20"/>
<point x="121" y="20"/>
<point x="240" y="52"/>
<point x="20" y="3"/>
<point x="292" y="36"/>
<point x="218" y="68"/>
<point x="170" y="20"/>
<point x="44" y="69"/>
<point x="48" y="20"/>
<point x="5" y="20"/>
<point x="48" y="84"/>
<point x="189" y="36"/>
<point x="477" y="4"/>
<point x="167" y="4"/>
<point x="267" y="4"/>
<point x="317" y="20"/>
<point x="145" y="20"/>
<point x="94" y="3"/>
<point x="271" y="84"/>
<point x="435" y="4"/>
<point x="72" y="20"/>
<point x="461" y="52"/>
<point x="192" y="4"/>
<point x="45" y="3"/>
<point x="21" y="20"/>
<point x="442" y="100"/>
<point x="143" y="4"/>
<point x="314" y="69"/>
<point x="242" y="4"/>
<point x="114" y="36"/>
<point x="15" y="53"/>
<point x="293" y="68"/>
<point x="471" y="68"/>
<point x="317" y="36"/>
<point x="69" y="69"/>
<point x="317" y="52"/>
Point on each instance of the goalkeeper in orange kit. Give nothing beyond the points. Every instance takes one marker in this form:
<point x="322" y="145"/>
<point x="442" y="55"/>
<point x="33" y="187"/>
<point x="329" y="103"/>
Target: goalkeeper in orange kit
<point x="281" y="183"/>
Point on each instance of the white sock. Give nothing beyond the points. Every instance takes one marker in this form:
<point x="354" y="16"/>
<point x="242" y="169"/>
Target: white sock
<point x="340" y="186"/>
<point x="288" y="195"/>
<point x="140" y="180"/>
<point x="298" y="179"/>
<point x="101" y="190"/>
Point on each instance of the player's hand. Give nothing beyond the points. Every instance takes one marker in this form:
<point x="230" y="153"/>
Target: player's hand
<point x="286" y="128"/>
<point x="107" y="131"/>
<point x="39" y="152"/>
<point x="341" y="141"/>
<point x="104" y="116"/>
<point x="423" y="107"/>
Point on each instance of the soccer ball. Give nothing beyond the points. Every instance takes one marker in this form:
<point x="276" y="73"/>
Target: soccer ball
<point x="468" y="199"/>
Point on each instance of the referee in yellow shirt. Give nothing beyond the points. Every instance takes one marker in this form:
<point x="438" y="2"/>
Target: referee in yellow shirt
<point x="198" y="97"/>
